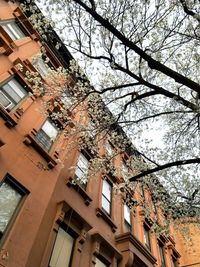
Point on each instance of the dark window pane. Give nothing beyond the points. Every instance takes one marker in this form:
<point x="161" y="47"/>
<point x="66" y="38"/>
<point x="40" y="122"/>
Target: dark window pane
<point x="147" y="237"/>
<point x="44" y="140"/>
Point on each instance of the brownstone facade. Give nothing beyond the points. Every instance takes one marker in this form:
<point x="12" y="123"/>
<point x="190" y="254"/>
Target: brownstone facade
<point x="46" y="219"/>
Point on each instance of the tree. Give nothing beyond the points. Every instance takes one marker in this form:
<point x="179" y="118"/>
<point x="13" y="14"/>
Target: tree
<point x="144" y="57"/>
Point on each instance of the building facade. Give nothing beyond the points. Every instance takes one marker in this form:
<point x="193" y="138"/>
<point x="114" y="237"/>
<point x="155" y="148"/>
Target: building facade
<point x="45" y="218"/>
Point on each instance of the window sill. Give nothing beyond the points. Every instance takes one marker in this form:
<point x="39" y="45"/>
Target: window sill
<point x="30" y="140"/>
<point x="80" y="190"/>
<point x="101" y="213"/>
<point x="5" y="49"/>
<point x="10" y="121"/>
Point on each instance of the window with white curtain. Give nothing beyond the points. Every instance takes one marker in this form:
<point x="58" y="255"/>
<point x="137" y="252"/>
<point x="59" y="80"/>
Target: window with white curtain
<point x="11" y="93"/>
<point x="47" y="134"/>
<point x="63" y="249"/>
<point x="12" y="29"/>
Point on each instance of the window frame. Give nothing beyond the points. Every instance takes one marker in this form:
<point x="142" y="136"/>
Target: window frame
<point x="109" y="149"/>
<point x="162" y="254"/>
<point x="102" y="260"/>
<point x="12" y="182"/>
<point x="25" y="92"/>
<point x="127" y="224"/>
<point x="12" y="32"/>
<point x="43" y="133"/>
<point x="85" y="173"/>
<point x="105" y="179"/>
<point x="147" y="238"/>
<point x="70" y="232"/>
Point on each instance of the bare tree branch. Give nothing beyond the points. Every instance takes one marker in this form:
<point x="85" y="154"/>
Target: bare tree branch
<point x="165" y="166"/>
<point x="153" y="64"/>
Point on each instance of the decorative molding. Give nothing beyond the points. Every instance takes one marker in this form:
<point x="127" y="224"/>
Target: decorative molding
<point x="130" y="238"/>
<point x="27" y="26"/>
<point x="5" y="49"/>
<point x="30" y="140"/>
<point x="106" y="218"/>
<point x="10" y="121"/>
<point x="87" y="199"/>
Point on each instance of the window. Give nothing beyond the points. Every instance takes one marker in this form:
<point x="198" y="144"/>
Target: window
<point x="174" y="262"/>
<point x="13" y="30"/>
<point x="106" y="196"/>
<point x="100" y="263"/>
<point x="124" y="171"/>
<point x="142" y="191"/>
<point x="162" y="257"/>
<point x="47" y="134"/>
<point x="62" y="251"/>
<point x="11" y="93"/>
<point x="40" y="66"/>
<point x="109" y="149"/>
<point x="11" y="195"/>
<point x="147" y="237"/>
<point x="66" y="98"/>
<point x="82" y="170"/>
<point x="127" y="217"/>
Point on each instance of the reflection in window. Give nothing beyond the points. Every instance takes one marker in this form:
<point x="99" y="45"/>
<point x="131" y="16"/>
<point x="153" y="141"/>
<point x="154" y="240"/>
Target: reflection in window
<point x="82" y="170"/>
<point x="47" y="134"/>
<point x="125" y="171"/>
<point x="147" y="237"/>
<point x="11" y="93"/>
<point x="109" y="149"/>
<point x="13" y="30"/>
<point x="127" y="217"/>
<point x="106" y="197"/>
<point x="62" y="251"/>
<point x="40" y="66"/>
<point x="10" y="197"/>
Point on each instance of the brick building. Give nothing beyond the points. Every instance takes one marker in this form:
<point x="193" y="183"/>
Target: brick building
<point x="46" y="219"/>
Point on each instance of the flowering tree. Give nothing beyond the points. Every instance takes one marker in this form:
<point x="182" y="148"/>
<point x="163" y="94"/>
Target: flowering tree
<point x="143" y="61"/>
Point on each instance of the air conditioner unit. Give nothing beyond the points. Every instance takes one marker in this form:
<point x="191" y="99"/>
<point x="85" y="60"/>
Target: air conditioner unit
<point x="5" y="101"/>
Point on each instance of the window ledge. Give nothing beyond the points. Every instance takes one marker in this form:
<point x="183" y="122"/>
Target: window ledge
<point x="5" y="49"/>
<point x="101" y="213"/>
<point x="10" y="121"/>
<point x="30" y="140"/>
<point x="80" y="190"/>
<point x="129" y="240"/>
